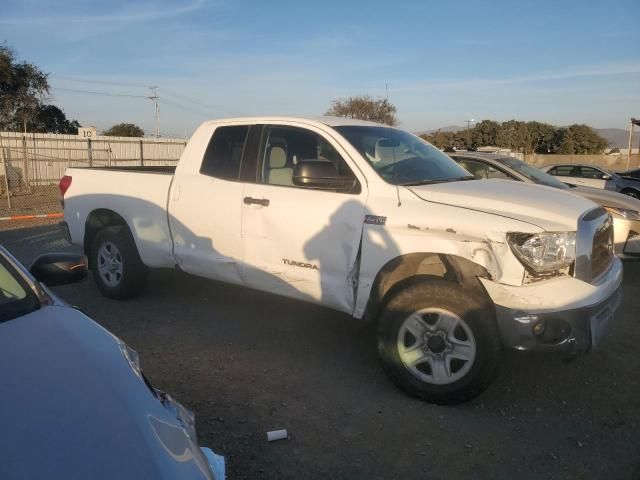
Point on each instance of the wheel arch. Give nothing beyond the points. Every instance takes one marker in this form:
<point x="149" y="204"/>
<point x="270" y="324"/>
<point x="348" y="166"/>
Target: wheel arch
<point x="404" y="270"/>
<point x="96" y="221"/>
<point x="625" y="190"/>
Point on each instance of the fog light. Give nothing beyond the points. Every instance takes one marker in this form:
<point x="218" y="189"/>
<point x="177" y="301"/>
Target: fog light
<point x="539" y="328"/>
<point x="525" y="318"/>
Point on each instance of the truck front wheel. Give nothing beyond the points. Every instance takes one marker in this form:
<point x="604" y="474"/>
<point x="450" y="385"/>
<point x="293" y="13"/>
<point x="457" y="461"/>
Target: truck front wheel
<point x="439" y="342"/>
<point x="117" y="268"/>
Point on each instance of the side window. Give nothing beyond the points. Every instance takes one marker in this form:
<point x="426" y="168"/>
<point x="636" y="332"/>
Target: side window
<point x="477" y="169"/>
<point x="224" y="152"/>
<point x="589" y="172"/>
<point x="561" y="171"/>
<point x="493" y="172"/>
<point x="286" y="147"/>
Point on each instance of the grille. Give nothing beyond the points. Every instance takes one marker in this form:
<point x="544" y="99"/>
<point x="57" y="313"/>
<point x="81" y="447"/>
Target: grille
<point x="602" y="252"/>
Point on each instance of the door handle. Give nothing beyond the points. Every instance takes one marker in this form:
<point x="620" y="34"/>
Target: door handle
<point x="256" y="201"/>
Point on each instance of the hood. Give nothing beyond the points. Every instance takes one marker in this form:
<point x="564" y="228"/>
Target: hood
<point x="549" y="208"/>
<point x="72" y="407"/>
<point x="608" y="198"/>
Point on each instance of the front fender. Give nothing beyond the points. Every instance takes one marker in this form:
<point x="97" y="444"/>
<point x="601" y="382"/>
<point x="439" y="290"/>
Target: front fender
<point x="392" y="255"/>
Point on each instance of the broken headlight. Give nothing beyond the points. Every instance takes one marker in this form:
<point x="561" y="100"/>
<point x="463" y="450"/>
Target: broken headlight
<point x="544" y="253"/>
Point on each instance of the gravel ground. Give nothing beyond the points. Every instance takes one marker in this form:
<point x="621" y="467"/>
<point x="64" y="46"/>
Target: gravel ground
<point x="41" y="199"/>
<point x="247" y="362"/>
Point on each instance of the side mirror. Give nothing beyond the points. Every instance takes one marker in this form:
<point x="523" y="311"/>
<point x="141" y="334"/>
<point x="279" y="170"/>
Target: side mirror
<point x="320" y="174"/>
<point x="606" y="176"/>
<point x="59" y="268"/>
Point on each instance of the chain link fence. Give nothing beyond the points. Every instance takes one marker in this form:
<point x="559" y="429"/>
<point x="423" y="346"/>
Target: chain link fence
<point x="31" y="164"/>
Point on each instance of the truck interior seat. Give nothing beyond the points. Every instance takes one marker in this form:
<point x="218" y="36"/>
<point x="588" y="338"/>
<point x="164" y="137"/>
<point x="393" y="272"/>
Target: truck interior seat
<point x="279" y="172"/>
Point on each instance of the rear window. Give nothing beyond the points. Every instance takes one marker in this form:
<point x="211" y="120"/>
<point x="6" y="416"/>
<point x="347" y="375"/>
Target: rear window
<point x="224" y="153"/>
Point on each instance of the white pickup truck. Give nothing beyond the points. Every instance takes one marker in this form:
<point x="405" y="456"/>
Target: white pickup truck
<point x="368" y="220"/>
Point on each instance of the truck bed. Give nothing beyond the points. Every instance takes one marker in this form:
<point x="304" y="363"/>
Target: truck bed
<point x="160" y="169"/>
<point x="136" y="194"/>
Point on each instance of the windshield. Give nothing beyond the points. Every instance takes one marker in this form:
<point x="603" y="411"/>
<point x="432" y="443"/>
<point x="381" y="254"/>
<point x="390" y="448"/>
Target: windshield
<point x="401" y="158"/>
<point x="16" y="298"/>
<point x="532" y="173"/>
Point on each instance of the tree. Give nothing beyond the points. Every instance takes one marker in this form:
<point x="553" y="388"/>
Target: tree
<point x="513" y="135"/>
<point x="50" y="119"/>
<point x="578" y="139"/>
<point x="22" y="89"/>
<point x="485" y="133"/>
<point x="124" y="130"/>
<point x="541" y="137"/>
<point x="364" y="107"/>
<point x="443" y="139"/>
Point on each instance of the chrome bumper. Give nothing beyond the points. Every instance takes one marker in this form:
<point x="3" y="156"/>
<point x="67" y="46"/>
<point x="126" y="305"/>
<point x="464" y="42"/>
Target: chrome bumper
<point x="571" y="331"/>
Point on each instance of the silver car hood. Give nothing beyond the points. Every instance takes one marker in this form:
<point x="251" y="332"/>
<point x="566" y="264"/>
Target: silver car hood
<point x="608" y="198"/>
<point x="72" y="407"/>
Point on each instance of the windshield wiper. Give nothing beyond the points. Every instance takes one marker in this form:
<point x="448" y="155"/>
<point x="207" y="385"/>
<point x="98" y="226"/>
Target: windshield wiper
<point x="444" y="180"/>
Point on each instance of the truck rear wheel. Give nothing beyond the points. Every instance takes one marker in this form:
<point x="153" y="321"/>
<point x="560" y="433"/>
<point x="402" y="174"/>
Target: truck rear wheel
<point x="117" y="268"/>
<point x="439" y="342"/>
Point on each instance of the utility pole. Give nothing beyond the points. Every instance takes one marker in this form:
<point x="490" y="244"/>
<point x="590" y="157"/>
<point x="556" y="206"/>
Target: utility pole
<point x="469" y="122"/>
<point x="155" y="98"/>
<point x="634" y="121"/>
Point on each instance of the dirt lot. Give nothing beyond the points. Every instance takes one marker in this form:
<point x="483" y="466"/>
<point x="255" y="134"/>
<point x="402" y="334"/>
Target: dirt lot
<point x="247" y="362"/>
<point x="38" y="199"/>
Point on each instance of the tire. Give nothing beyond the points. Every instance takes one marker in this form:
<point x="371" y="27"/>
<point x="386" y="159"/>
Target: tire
<point x="631" y="192"/>
<point x="466" y="326"/>
<point x="123" y="275"/>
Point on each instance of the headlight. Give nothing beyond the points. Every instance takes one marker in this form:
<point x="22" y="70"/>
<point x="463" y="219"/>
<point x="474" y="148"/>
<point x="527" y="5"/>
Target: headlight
<point x="624" y="212"/>
<point x="544" y="252"/>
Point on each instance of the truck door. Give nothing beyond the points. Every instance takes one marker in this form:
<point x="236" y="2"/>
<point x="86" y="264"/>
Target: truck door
<point x="302" y="242"/>
<point x="205" y="207"/>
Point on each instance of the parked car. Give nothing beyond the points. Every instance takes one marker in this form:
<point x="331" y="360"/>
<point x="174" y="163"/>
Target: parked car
<point x="624" y="209"/>
<point x="368" y="220"/>
<point x="630" y="174"/>
<point x="75" y="403"/>
<point x="592" y="176"/>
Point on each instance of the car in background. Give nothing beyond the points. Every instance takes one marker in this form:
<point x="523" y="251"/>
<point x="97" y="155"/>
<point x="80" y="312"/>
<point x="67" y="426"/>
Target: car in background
<point x="630" y="174"/>
<point x="75" y="403"/>
<point x="624" y="209"/>
<point x="593" y="176"/>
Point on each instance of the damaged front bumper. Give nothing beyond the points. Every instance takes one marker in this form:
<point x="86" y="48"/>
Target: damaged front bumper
<point x="564" y="314"/>
<point x="186" y="418"/>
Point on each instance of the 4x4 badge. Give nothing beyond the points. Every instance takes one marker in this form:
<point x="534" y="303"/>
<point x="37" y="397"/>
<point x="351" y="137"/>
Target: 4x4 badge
<point x="375" y="220"/>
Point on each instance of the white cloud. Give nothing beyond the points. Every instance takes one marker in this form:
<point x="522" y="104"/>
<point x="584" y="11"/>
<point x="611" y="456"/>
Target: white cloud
<point x="139" y="13"/>
<point x="584" y="71"/>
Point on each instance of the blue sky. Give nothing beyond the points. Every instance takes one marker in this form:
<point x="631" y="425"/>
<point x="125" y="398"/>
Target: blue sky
<point x="560" y="61"/>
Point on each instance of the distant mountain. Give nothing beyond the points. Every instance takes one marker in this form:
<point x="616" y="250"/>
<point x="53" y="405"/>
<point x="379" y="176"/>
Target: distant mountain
<point x="448" y="128"/>
<point x="617" y="137"/>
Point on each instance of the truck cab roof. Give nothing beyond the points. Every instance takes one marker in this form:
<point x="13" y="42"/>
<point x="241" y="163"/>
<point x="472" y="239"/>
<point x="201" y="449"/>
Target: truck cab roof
<point x="324" y="120"/>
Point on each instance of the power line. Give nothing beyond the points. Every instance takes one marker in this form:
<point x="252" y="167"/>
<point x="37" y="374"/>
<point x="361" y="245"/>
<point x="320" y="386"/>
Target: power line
<point x="156" y="100"/>
<point x="137" y="85"/>
<point x="197" y="102"/>
<point x="184" y="107"/>
<point x="104" y="94"/>
<point x="99" y="82"/>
